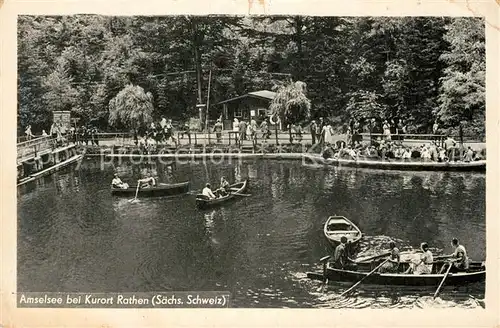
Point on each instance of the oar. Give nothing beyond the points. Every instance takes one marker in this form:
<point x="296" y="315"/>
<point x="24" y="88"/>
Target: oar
<point x="136" y="192"/>
<point x="369" y="274"/>
<point x="442" y="281"/>
<point x="244" y="195"/>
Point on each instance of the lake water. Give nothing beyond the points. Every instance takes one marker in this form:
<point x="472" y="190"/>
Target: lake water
<point x="73" y="236"/>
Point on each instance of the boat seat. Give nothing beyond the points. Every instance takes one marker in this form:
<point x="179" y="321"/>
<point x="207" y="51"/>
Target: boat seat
<point x="354" y="232"/>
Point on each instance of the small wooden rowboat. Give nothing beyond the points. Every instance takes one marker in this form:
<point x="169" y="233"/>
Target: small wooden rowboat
<point x="238" y="188"/>
<point x="394" y="164"/>
<point x="337" y="227"/>
<point x="476" y="273"/>
<point x="161" y="189"/>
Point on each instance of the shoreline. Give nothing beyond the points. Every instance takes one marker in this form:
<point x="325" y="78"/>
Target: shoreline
<point x="307" y="158"/>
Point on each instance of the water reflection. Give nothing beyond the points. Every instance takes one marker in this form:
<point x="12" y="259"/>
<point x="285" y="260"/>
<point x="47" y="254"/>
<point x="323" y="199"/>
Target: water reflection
<point x="73" y="234"/>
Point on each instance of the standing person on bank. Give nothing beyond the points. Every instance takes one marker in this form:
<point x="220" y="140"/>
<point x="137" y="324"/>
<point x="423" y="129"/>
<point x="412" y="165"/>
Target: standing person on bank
<point x="327" y="134"/>
<point x="28" y="132"/>
<point x="243" y="131"/>
<point x="319" y="133"/>
<point x="253" y="131"/>
<point x="264" y="128"/>
<point x="218" y="130"/>
<point x="387" y="130"/>
<point x="313" y="130"/>
<point x="450" y="146"/>
<point x="435" y="128"/>
<point x="236" y="130"/>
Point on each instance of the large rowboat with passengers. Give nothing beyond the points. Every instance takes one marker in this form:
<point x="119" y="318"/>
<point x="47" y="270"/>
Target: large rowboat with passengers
<point x="475" y="273"/>
<point x="396" y="164"/>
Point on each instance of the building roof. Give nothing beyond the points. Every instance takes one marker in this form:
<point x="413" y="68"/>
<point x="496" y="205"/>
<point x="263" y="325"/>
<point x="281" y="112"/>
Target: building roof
<point x="262" y="94"/>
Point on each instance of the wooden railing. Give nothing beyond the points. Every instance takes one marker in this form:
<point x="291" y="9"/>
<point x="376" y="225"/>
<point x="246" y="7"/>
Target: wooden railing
<point x="34" y="147"/>
<point x="225" y="137"/>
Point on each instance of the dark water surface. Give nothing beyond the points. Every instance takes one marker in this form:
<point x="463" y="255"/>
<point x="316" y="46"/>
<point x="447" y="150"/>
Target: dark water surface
<point x="74" y="236"/>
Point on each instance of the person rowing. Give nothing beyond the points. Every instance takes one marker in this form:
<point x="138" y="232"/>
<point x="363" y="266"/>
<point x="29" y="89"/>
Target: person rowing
<point x="458" y="259"/>
<point x="392" y="265"/>
<point x="207" y="192"/>
<point x="341" y="259"/>
<point x="147" y="182"/>
<point x="424" y="263"/>
<point x="118" y="183"/>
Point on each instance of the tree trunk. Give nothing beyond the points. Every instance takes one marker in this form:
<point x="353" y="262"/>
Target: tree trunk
<point x="197" y="62"/>
<point x="298" y="40"/>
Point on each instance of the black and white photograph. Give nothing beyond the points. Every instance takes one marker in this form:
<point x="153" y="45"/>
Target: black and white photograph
<point x="251" y="161"/>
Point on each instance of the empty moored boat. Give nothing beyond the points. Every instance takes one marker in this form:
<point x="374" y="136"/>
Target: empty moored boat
<point x="337" y="227"/>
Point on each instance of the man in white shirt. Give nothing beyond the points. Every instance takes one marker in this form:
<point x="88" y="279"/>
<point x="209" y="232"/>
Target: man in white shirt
<point x="459" y="259"/>
<point x="208" y="192"/>
<point x="449" y="145"/>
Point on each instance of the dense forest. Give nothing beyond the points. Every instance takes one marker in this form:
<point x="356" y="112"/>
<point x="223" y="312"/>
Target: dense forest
<point x="420" y="69"/>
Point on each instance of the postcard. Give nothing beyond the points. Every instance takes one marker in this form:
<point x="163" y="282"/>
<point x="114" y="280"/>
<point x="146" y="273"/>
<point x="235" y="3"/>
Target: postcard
<point x="249" y="163"/>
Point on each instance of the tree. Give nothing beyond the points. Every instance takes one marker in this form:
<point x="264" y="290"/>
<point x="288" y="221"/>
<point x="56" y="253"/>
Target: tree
<point x="462" y="92"/>
<point x="365" y="104"/>
<point x="131" y="108"/>
<point x="291" y="104"/>
<point x="60" y="95"/>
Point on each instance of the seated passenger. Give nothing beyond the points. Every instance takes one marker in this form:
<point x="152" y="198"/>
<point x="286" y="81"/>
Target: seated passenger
<point x="425" y="154"/>
<point x="392" y="264"/>
<point x="406" y="154"/>
<point x="224" y="187"/>
<point x="442" y="155"/>
<point x="424" y="264"/>
<point x="469" y="154"/>
<point x="118" y="183"/>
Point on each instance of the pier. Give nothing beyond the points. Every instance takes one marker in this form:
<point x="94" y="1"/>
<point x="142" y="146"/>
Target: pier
<point x="41" y="156"/>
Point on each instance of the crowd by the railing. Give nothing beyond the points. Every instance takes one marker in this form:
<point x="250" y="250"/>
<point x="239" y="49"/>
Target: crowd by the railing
<point x="372" y="140"/>
<point x="379" y="148"/>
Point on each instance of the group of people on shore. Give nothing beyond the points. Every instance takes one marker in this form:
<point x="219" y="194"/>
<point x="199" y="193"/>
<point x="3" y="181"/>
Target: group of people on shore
<point x="244" y="130"/>
<point x="322" y="131"/>
<point x="155" y="133"/>
<point x="63" y="134"/>
<point x="382" y="149"/>
<point x="84" y="135"/>
<point x="458" y="260"/>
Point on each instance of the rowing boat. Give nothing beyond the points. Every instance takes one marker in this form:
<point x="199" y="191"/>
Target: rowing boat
<point x="203" y="201"/>
<point x="476" y="273"/>
<point x="337" y="227"/>
<point x="395" y="164"/>
<point x="161" y="189"/>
